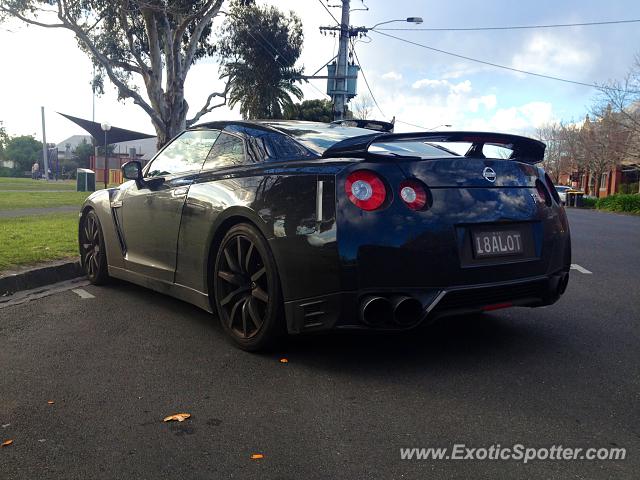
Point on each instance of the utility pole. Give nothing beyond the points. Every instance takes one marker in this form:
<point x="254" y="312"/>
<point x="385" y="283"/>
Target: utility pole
<point x="340" y="95"/>
<point x="45" y="149"/>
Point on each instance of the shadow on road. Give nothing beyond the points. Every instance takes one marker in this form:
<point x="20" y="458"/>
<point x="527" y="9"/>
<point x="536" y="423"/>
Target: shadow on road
<point x="510" y="338"/>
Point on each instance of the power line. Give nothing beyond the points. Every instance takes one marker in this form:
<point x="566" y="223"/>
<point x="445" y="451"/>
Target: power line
<point x="516" y="27"/>
<point x="329" y="11"/>
<point x="412" y="125"/>
<point x="364" y="77"/>
<point x="504" y="67"/>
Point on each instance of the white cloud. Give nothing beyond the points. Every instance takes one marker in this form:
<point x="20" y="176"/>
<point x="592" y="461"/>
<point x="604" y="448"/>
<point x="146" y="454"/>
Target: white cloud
<point x="556" y="55"/>
<point x="462" y="87"/>
<point x="392" y="76"/>
<point x="519" y="119"/>
<point x="487" y="101"/>
<point x="426" y="82"/>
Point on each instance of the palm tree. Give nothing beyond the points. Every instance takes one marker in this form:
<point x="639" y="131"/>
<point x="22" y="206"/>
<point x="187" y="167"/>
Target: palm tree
<point x="265" y="95"/>
<point x="259" y="49"/>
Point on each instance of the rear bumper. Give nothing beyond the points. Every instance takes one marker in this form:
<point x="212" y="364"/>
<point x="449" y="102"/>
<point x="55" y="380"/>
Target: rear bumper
<point x="342" y="310"/>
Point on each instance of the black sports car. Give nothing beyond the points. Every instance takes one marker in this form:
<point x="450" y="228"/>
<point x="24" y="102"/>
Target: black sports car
<point x="299" y="226"/>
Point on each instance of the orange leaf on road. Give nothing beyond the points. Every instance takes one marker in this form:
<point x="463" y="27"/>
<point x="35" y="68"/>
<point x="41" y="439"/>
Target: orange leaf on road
<point x="178" y="417"/>
<point x="6" y="443"/>
<point x="257" y="456"/>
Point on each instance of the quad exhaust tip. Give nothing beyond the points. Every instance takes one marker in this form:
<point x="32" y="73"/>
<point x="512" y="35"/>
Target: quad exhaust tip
<point x="402" y="310"/>
<point x="407" y="311"/>
<point x="375" y="310"/>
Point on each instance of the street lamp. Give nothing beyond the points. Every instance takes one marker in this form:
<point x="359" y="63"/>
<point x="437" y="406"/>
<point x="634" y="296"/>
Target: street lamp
<point x="417" y="20"/>
<point x="105" y="128"/>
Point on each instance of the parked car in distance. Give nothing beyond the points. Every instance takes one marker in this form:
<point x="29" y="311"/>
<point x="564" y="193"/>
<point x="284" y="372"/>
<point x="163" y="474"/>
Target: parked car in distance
<point x="293" y="227"/>
<point x="562" y="192"/>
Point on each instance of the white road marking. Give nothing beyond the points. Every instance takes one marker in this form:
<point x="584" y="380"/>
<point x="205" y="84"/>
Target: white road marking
<point x="82" y="293"/>
<point x="575" y="266"/>
<point x="41" y="292"/>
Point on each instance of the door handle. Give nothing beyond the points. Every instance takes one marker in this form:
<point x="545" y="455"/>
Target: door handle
<point x="179" y="192"/>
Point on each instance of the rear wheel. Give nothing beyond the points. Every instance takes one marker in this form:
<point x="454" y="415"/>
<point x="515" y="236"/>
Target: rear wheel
<point x="92" y="252"/>
<point x="247" y="289"/>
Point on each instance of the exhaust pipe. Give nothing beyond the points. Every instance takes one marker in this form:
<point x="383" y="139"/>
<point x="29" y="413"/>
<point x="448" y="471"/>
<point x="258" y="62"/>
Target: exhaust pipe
<point x="407" y="311"/>
<point x="374" y="310"/>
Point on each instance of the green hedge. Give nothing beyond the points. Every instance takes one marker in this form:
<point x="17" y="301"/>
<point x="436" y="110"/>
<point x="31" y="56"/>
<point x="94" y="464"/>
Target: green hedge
<point x="620" y="203"/>
<point x="589" y="202"/>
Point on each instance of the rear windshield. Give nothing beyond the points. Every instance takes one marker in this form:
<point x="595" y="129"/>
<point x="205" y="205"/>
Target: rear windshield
<point x="415" y="149"/>
<point x="318" y="137"/>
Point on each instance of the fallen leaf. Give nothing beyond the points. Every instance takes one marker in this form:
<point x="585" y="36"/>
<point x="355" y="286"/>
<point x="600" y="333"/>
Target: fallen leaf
<point x="178" y="417"/>
<point x="6" y="443"/>
<point x="50" y="402"/>
<point x="257" y="456"/>
<point x="284" y="360"/>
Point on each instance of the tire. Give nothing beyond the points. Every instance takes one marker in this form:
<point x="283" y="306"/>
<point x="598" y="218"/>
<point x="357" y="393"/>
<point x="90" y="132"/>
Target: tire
<point x="93" y="255"/>
<point x="246" y="289"/>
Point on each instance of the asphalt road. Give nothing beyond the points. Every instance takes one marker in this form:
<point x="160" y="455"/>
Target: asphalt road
<point x="343" y="405"/>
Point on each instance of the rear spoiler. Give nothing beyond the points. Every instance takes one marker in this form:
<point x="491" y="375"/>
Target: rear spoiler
<point x="523" y="149"/>
<point x="377" y="125"/>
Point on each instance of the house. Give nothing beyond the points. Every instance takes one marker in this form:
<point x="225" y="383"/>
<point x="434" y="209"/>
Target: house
<point x="612" y="141"/>
<point x="68" y="145"/>
<point x="623" y="178"/>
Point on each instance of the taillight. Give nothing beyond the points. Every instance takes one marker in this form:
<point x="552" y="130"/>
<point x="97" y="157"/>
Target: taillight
<point x="365" y="189"/>
<point x="543" y="193"/>
<point x="552" y="188"/>
<point x="413" y="194"/>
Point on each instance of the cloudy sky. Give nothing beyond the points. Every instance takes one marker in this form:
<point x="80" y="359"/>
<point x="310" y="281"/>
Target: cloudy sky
<point x="45" y="67"/>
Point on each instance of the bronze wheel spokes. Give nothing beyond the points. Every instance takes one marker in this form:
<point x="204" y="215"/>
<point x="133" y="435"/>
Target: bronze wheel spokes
<point x="242" y="286"/>
<point x="90" y="243"/>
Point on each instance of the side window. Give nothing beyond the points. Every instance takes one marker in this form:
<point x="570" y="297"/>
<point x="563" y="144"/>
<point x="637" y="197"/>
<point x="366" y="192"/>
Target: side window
<point x="228" y="151"/>
<point x="186" y="153"/>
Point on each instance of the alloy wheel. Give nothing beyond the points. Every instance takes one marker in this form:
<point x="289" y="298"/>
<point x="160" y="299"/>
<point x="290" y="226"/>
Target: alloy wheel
<point x="243" y="289"/>
<point x="91" y="248"/>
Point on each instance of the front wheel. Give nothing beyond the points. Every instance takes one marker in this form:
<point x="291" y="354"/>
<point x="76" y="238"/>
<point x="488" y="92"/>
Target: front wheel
<point x="247" y="289"/>
<point x="92" y="252"/>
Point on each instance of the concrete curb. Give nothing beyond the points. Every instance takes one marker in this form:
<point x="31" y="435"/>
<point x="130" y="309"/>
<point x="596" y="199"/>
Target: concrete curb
<point x="40" y="275"/>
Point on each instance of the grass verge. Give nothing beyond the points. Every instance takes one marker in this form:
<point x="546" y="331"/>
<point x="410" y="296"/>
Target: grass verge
<point x="17" y="199"/>
<point x="34" y="239"/>
<point x="9" y="183"/>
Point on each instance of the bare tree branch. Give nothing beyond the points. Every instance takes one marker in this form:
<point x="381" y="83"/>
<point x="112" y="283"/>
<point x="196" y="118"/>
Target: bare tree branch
<point x="208" y="107"/>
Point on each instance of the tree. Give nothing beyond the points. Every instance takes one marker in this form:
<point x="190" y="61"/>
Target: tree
<point x="136" y="42"/>
<point x="259" y="48"/>
<point x="363" y="107"/>
<point x="602" y="145"/>
<point x="3" y="140"/>
<point x="310" y="110"/>
<point x="24" y="150"/>
<point x="81" y="155"/>
<point x="623" y="99"/>
<point x="561" y="149"/>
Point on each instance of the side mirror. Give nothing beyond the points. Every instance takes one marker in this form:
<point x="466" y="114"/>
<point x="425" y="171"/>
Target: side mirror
<point x="132" y="170"/>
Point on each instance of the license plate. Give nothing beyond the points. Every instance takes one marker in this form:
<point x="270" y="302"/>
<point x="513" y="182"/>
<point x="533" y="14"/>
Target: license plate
<point x="497" y="243"/>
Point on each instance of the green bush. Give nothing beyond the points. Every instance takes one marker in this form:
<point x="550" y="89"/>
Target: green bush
<point x="10" y="172"/>
<point x="589" y="202"/>
<point x="620" y="203"/>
